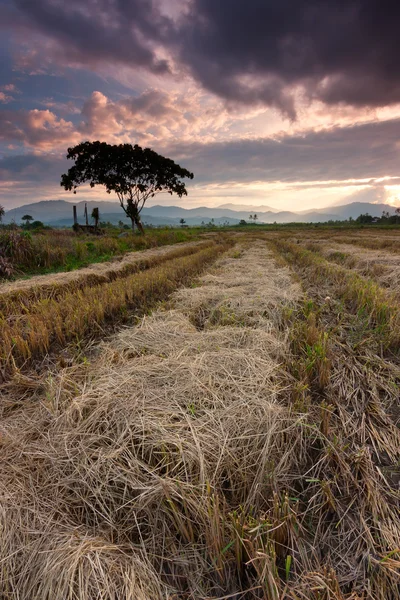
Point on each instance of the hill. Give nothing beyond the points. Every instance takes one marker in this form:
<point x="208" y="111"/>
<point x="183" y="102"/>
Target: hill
<point x="59" y="213"/>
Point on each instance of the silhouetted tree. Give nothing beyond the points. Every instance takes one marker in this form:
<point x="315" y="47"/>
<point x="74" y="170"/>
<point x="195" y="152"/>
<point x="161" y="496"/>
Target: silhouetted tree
<point x="133" y="173"/>
<point x="2" y="212"/>
<point x="27" y="219"/>
<point x="182" y="222"/>
<point x="365" y="218"/>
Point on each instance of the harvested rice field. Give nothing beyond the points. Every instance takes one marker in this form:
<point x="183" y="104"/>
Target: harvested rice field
<point x="214" y="421"/>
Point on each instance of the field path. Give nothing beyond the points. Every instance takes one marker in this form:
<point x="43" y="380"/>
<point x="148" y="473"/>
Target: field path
<point x="184" y="403"/>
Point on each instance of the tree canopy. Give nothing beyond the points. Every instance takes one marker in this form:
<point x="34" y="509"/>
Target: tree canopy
<point x="133" y="173"/>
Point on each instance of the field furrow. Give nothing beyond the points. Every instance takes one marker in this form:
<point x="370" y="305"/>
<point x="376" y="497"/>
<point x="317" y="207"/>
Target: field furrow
<point x="16" y="294"/>
<point x="240" y="442"/>
<point x="34" y="321"/>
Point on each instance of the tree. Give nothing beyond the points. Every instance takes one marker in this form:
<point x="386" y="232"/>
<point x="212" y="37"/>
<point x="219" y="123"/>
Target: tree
<point x="182" y="222"/>
<point x="2" y="212"/>
<point x="365" y="218"/>
<point x="250" y="217"/>
<point x="255" y="217"/>
<point x="95" y="216"/>
<point x="27" y="218"/>
<point x="133" y="173"/>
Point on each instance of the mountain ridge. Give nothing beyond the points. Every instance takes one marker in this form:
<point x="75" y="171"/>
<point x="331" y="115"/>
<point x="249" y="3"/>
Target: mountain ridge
<point x="59" y="213"/>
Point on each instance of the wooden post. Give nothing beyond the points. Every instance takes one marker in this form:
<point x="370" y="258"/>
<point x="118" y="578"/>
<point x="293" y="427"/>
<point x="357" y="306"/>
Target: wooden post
<point x="75" y="215"/>
<point x="86" y="215"/>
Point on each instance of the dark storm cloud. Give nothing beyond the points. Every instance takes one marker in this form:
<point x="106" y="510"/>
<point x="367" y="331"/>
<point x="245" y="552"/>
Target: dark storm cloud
<point x="92" y="31"/>
<point x="364" y="151"/>
<point x="340" y="50"/>
<point x="253" y="51"/>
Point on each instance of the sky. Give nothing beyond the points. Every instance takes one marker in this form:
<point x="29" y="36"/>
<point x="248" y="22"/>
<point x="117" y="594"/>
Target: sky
<point x="292" y="104"/>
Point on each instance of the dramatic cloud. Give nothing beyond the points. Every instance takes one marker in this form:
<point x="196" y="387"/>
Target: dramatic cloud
<point x="258" y="51"/>
<point x="325" y="159"/>
<point x="153" y="117"/>
<point x="93" y="31"/>
<point x="254" y="96"/>
<point x="361" y="152"/>
<point x="337" y="50"/>
<point x="37" y="128"/>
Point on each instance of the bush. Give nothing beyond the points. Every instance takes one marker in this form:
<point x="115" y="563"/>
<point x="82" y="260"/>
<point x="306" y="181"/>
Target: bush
<point x="6" y="268"/>
<point x="17" y="246"/>
<point x="37" y="225"/>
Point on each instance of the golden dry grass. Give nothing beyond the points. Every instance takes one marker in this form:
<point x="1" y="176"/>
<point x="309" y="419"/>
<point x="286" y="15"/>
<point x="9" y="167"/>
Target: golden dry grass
<point x="380" y="265"/>
<point x="17" y="294"/>
<point x="61" y="316"/>
<point x="241" y="445"/>
<point x="378" y="306"/>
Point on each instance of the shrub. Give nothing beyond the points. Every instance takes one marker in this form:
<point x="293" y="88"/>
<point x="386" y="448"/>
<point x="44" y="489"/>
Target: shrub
<point x="6" y="268"/>
<point x="16" y="245"/>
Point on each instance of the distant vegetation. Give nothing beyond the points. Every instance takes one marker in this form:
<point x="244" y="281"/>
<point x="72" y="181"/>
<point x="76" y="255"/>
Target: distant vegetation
<point x="34" y="248"/>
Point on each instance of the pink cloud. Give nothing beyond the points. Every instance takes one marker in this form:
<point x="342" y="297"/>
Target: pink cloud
<point x="9" y="87"/>
<point x="4" y="98"/>
<point x="40" y="129"/>
<point x="155" y="115"/>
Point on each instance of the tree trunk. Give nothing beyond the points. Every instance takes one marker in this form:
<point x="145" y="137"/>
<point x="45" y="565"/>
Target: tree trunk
<point x="133" y="224"/>
<point x="139" y="224"/>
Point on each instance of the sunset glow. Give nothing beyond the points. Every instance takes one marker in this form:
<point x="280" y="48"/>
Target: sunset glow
<point x="264" y="107"/>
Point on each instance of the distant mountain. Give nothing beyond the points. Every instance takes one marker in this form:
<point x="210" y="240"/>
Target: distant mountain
<point x="248" y="208"/>
<point x="202" y="212"/>
<point x="59" y="213"/>
<point x="51" y="211"/>
<point x="357" y="208"/>
<point x="354" y="209"/>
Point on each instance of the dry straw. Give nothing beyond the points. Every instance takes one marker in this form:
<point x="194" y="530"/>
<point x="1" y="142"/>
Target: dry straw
<point x="177" y="465"/>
